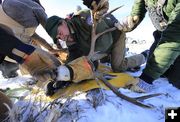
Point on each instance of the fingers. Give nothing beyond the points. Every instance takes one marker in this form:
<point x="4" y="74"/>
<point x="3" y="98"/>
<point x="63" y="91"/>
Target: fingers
<point x="122" y="26"/>
<point x="127" y="24"/>
<point x="130" y="22"/>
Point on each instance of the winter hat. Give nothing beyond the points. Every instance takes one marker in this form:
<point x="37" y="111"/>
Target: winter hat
<point x="52" y="26"/>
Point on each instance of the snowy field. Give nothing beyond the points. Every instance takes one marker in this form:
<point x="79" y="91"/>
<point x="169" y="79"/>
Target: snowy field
<point x="104" y="106"/>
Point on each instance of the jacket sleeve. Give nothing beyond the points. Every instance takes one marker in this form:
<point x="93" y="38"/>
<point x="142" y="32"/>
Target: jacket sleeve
<point x="28" y="13"/>
<point x="40" y="15"/>
<point x="172" y="31"/>
<point x="139" y="9"/>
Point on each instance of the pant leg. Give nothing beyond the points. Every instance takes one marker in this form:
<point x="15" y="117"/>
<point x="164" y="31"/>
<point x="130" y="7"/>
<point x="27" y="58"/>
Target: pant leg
<point x="173" y="73"/>
<point x="162" y="58"/>
<point x="157" y="36"/>
<point x="118" y="61"/>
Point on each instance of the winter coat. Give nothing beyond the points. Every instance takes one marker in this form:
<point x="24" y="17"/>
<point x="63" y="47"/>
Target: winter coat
<point x="168" y="48"/>
<point x="80" y="26"/>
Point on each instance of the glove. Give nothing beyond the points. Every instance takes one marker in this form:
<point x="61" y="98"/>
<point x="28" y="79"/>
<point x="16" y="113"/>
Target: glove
<point x="62" y="55"/>
<point x="98" y="7"/>
<point x="88" y="3"/>
<point x="41" y="65"/>
<point x="76" y="71"/>
<point x="53" y="86"/>
<point x="128" y="24"/>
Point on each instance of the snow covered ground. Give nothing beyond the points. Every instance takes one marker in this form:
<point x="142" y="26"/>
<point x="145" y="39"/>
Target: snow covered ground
<point x="102" y="107"/>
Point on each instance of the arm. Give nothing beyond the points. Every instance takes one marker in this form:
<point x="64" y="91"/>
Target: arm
<point x="98" y="7"/>
<point x="41" y="41"/>
<point x="137" y="14"/>
<point x="134" y="19"/>
<point x="139" y="9"/>
<point x="28" y="13"/>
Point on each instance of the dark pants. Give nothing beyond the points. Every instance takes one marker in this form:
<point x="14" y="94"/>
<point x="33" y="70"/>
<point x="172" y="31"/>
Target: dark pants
<point x="173" y="73"/>
<point x="9" y="42"/>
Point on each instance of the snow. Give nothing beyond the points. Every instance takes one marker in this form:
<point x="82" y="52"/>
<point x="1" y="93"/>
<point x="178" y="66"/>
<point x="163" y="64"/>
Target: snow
<point x="104" y="106"/>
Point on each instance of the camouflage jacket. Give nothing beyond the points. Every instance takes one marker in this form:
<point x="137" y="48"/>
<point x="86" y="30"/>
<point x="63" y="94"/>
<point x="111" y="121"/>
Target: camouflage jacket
<point x="171" y="12"/>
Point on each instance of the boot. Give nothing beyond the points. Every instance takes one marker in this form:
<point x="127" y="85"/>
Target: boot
<point x="135" y="61"/>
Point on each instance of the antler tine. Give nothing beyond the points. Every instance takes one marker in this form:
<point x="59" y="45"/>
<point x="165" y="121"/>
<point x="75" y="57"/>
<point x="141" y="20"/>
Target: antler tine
<point x="112" y="10"/>
<point x="95" y="36"/>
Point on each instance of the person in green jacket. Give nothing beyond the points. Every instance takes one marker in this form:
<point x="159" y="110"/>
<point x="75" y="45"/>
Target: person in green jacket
<point x="164" y="53"/>
<point x="77" y="34"/>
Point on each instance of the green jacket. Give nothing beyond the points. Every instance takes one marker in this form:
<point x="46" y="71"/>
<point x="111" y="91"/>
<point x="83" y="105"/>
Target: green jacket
<point x="171" y="11"/>
<point x="169" y="46"/>
<point x="80" y="26"/>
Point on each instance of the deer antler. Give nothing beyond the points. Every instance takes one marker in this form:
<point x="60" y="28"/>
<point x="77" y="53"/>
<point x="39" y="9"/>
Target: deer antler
<point x="99" y="75"/>
<point x="95" y="36"/>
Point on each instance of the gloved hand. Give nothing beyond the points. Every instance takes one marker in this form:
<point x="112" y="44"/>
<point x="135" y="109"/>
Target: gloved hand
<point x="62" y="54"/>
<point x="128" y="24"/>
<point x="98" y="7"/>
<point x="53" y="86"/>
<point x="76" y="71"/>
<point x="41" y="65"/>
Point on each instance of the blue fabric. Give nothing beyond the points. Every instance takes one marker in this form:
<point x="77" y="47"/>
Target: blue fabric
<point x="28" y="49"/>
<point x="9" y="42"/>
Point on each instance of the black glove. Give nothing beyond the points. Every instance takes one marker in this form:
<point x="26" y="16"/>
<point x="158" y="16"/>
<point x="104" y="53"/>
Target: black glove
<point x="50" y="90"/>
<point x="53" y="86"/>
<point x="89" y="2"/>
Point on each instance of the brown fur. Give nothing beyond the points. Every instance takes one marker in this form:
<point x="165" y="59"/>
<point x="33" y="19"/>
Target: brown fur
<point x="3" y="108"/>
